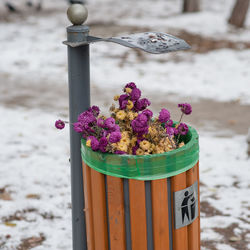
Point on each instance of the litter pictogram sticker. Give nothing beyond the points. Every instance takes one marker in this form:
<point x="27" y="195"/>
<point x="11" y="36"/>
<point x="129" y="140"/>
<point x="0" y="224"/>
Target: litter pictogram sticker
<point x="186" y="205"/>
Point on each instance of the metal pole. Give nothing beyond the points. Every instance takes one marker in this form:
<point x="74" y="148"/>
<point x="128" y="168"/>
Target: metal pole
<point x="79" y="100"/>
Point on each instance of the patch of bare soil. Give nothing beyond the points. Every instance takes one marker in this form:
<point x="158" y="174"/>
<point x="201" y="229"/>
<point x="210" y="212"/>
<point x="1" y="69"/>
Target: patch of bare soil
<point x="31" y="242"/>
<point x="201" y="44"/>
<point x="209" y="210"/>
<point x="230" y="117"/>
<point x="238" y="241"/>
<point x="229" y="238"/>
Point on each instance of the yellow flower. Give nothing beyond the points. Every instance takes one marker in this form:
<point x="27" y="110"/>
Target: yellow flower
<point x="128" y="90"/>
<point x="159" y="150"/>
<point x="133" y="141"/>
<point x="130" y="105"/>
<point x="145" y="145"/>
<point x="130" y="115"/>
<point x="125" y="140"/>
<point x="125" y="134"/>
<point x="122" y="147"/>
<point x="88" y="143"/>
<point x="116" y="97"/>
<point x="152" y="131"/>
<point x="181" y="144"/>
<point x="139" y="151"/>
<point x="120" y="115"/>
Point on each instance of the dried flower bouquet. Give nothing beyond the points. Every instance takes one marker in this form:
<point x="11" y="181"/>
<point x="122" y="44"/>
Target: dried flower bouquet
<point x="131" y="128"/>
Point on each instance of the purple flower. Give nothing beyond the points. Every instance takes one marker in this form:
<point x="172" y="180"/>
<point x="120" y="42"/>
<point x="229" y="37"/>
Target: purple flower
<point x="115" y="137"/>
<point x="123" y="101"/>
<point x="176" y="132"/>
<point x="142" y="104"/>
<point x="164" y="115"/>
<point x="169" y="123"/>
<point x="140" y="124"/>
<point x="59" y="124"/>
<point x="135" y="94"/>
<point x="109" y="123"/>
<point x="94" y="143"/>
<point x="130" y="85"/>
<point x="134" y="149"/>
<point x="78" y="127"/>
<point x="170" y="131"/>
<point x="116" y="128"/>
<point x="182" y="128"/>
<point x="94" y="110"/>
<point x="103" y="144"/>
<point x="104" y="133"/>
<point x="119" y="152"/>
<point x="148" y="113"/>
<point x="86" y="117"/>
<point x="186" y="108"/>
<point x="100" y="123"/>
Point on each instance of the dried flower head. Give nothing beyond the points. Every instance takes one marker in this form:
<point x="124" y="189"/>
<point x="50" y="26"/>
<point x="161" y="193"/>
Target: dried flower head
<point x="186" y="108"/>
<point x="59" y="124"/>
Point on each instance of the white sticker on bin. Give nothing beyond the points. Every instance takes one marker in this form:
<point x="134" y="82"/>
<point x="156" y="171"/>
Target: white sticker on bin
<point x="186" y="206"/>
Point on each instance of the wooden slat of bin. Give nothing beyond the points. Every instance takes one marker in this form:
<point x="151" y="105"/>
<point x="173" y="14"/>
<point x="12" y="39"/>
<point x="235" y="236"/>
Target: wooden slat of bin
<point x="116" y="213"/>
<point x="160" y="214"/>
<point x="180" y="236"/>
<point x="193" y="228"/>
<point x="99" y="210"/>
<point x="88" y="207"/>
<point x="199" y="217"/>
<point x="138" y="215"/>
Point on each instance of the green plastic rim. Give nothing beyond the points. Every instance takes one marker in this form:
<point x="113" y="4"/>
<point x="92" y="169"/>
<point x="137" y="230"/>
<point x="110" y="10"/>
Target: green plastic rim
<point x="145" y="167"/>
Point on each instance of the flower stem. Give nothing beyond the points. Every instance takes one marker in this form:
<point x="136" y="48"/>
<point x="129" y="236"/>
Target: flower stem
<point x="180" y="118"/>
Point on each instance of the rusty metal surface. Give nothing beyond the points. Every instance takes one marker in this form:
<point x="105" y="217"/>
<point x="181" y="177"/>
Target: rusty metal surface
<point x="151" y="42"/>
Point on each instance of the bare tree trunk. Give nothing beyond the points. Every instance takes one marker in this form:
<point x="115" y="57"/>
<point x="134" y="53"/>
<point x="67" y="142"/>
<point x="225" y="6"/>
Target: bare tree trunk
<point x="239" y="13"/>
<point x="191" y="5"/>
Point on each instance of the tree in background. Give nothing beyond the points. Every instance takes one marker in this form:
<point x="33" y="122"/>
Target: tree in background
<point x="239" y="13"/>
<point x="191" y="5"/>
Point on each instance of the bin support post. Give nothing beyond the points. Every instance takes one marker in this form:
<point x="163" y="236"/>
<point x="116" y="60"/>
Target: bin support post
<point x="79" y="100"/>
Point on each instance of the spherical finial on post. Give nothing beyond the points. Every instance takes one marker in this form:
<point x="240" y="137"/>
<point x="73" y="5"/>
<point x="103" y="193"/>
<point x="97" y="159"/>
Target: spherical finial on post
<point x="77" y="14"/>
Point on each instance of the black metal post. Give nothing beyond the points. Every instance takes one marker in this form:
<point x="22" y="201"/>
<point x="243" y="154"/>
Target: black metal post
<point x="79" y="100"/>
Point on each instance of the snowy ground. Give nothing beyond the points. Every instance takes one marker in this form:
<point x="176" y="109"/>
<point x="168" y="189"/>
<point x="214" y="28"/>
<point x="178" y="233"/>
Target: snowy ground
<point x="34" y="170"/>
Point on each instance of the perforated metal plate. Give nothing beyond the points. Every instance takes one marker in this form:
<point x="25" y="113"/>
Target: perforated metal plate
<point x="151" y="42"/>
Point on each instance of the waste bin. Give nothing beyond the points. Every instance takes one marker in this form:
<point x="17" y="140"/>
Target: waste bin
<point x="143" y="202"/>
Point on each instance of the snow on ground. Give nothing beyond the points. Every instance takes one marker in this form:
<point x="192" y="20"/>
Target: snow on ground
<point x="35" y="173"/>
<point x="167" y="14"/>
<point x="34" y="164"/>
<point x="34" y="48"/>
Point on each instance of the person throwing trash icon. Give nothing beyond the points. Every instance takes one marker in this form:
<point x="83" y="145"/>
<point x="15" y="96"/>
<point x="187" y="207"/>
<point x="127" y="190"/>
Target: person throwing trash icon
<point x="184" y="206"/>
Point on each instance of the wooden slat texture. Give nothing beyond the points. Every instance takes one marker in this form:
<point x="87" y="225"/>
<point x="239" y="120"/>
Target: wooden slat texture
<point x="180" y="236"/>
<point x="160" y="214"/>
<point x="99" y="210"/>
<point x="138" y="215"/>
<point x="199" y="216"/>
<point x="193" y="228"/>
<point x="88" y="207"/>
<point x="116" y="213"/>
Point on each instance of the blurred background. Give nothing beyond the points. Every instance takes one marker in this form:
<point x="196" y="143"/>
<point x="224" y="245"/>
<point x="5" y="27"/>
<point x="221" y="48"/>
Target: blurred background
<point x="214" y="76"/>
